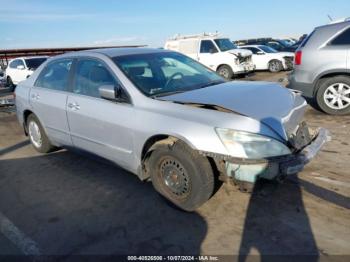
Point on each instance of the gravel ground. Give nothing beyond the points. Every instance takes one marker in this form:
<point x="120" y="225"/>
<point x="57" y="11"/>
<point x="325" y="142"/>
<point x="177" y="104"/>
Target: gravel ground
<point x="70" y="203"/>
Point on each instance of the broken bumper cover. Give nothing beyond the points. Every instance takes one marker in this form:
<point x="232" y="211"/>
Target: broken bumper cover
<point x="249" y="170"/>
<point x="298" y="161"/>
<point x="244" y="68"/>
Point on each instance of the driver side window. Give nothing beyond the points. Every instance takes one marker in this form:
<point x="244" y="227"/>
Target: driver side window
<point x="89" y="76"/>
<point x="16" y="63"/>
<point x="207" y="46"/>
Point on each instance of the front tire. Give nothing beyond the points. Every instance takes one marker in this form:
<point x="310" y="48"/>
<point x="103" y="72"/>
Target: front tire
<point x="225" y="71"/>
<point x="333" y="95"/>
<point x="275" y="66"/>
<point x="37" y="135"/>
<point x="181" y="175"/>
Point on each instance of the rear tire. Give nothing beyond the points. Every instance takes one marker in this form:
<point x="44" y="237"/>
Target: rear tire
<point x="225" y="71"/>
<point x="275" y="66"/>
<point x="333" y="95"/>
<point x="181" y="175"/>
<point x="37" y="135"/>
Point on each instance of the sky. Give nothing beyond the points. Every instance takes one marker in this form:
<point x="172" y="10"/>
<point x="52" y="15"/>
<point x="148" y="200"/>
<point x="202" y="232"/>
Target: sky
<point x="63" y="23"/>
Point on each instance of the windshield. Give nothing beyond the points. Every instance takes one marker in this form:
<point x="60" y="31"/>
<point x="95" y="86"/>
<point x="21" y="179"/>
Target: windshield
<point x="268" y="49"/>
<point x="34" y="63"/>
<point x="165" y="73"/>
<point x="225" y="44"/>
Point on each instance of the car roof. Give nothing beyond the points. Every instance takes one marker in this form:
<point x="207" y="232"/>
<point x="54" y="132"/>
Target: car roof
<point x="113" y="52"/>
<point x="338" y="25"/>
<point x="250" y="45"/>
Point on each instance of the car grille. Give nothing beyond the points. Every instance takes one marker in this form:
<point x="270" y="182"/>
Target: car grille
<point x="245" y="59"/>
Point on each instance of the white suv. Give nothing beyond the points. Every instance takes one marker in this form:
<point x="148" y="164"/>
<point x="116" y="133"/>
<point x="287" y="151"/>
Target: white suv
<point x="215" y="52"/>
<point x="21" y="68"/>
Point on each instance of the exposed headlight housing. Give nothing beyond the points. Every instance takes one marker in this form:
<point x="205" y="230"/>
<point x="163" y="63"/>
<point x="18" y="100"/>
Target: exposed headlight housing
<point x="248" y="145"/>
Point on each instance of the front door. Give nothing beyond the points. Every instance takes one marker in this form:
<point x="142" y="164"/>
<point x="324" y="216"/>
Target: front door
<point x="206" y="54"/>
<point x="98" y="125"/>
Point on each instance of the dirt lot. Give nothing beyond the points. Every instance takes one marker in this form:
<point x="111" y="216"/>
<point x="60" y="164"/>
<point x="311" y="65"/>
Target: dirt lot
<point x="68" y="203"/>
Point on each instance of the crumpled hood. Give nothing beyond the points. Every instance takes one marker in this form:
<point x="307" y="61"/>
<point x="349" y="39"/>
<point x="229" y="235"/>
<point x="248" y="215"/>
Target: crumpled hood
<point x="275" y="106"/>
<point x="239" y="51"/>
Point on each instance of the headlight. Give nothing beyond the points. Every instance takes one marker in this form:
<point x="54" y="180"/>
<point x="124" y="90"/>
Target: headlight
<point x="248" y="145"/>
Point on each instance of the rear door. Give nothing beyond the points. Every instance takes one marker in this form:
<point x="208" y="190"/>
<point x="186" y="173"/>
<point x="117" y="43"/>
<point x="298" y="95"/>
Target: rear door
<point x="48" y="98"/>
<point x="98" y="125"/>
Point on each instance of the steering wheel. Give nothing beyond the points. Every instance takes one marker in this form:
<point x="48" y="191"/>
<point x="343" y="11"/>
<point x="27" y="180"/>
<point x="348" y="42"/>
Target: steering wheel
<point x="172" y="77"/>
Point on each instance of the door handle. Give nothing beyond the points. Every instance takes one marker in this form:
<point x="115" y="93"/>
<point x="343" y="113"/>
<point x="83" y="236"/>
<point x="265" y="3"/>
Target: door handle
<point x="73" y="106"/>
<point x="35" y="96"/>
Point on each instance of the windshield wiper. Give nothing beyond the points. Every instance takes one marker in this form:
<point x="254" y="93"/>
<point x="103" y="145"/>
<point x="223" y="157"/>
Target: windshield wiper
<point x="213" y="83"/>
<point x="182" y="91"/>
<point x="168" y="93"/>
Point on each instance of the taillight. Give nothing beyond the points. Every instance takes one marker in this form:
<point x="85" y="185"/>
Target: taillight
<point x="297" y="59"/>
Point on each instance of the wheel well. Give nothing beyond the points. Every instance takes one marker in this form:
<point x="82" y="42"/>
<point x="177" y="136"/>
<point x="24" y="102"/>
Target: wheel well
<point x="26" y="113"/>
<point x="329" y="75"/>
<point x="150" y="142"/>
<point x="275" y="59"/>
<point x="169" y="140"/>
<point x="217" y="68"/>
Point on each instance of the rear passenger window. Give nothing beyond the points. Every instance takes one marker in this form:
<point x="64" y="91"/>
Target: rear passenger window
<point x="55" y="75"/>
<point x="342" y="39"/>
<point x="90" y="75"/>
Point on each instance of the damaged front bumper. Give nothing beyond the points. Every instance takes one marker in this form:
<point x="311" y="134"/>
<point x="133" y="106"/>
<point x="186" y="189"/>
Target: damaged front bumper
<point x="249" y="170"/>
<point x="244" y="68"/>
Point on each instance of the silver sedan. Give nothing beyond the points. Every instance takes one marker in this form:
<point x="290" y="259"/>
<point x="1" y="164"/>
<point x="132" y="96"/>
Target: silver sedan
<point x="168" y="119"/>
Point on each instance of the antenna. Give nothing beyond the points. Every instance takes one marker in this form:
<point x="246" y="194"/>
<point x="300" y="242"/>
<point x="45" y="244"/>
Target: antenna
<point x="330" y="18"/>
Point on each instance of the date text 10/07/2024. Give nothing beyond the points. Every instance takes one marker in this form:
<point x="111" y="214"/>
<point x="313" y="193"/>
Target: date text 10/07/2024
<point x="173" y="258"/>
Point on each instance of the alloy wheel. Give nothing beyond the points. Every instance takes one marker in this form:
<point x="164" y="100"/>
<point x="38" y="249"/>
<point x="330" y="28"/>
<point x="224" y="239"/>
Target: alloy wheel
<point x="337" y="96"/>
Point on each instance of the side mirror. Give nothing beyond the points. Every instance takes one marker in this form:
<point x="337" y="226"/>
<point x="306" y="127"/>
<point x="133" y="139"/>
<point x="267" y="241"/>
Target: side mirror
<point x="20" y="67"/>
<point x="113" y="93"/>
<point x="260" y="53"/>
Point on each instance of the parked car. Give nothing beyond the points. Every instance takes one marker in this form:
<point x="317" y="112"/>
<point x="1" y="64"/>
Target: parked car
<point x="215" y="52"/>
<point x="267" y="58"/>
<point x="277" y="44"/>
<point x="288" y="40"/>
<point x="21" y="68"/>
<point x="163" y="116"/>
<point x="322" y="68"/>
